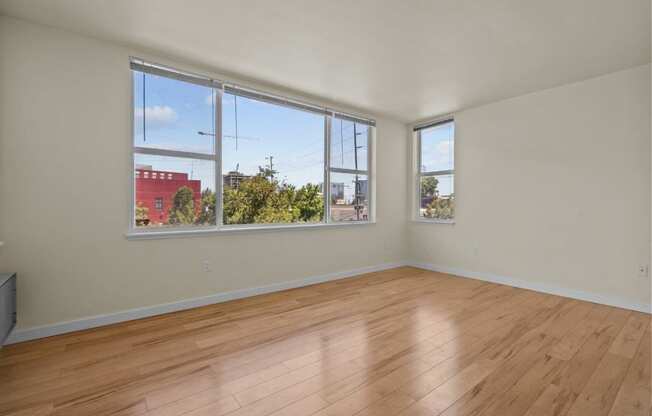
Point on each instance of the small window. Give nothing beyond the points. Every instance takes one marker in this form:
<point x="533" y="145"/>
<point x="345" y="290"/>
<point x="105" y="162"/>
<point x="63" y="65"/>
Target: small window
<point x="158" y="202"/>
<point x="436" y="171"/>
<point x="349" y="176"/>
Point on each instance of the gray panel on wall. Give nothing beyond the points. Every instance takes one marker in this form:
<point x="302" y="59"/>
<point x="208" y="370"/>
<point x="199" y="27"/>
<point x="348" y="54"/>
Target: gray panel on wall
<point x="7" y="305"/>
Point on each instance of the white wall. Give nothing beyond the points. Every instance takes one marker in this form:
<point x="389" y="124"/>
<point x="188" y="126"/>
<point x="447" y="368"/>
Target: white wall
<point x="64" y="171"/>
<point x="553" y="188"/>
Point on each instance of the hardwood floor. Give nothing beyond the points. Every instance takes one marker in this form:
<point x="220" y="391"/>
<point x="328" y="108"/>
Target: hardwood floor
<point x="399" y="342"/>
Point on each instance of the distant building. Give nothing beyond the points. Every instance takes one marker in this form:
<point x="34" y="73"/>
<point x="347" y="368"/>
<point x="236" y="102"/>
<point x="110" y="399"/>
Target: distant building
<point x="233" y="179"/>
<point x="341" y="196"/>
<point x="344" y="206"/>
<point x="337" y="191"/>
<point x="155" y="190"/>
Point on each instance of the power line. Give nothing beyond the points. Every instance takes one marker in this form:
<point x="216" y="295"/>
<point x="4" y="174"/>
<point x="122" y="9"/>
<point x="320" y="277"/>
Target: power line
<point x="292" y="167"/>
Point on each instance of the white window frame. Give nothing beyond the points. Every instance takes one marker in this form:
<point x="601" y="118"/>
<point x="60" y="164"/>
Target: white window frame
<point x="219" y="88"/>
<point x="417" y="129"/>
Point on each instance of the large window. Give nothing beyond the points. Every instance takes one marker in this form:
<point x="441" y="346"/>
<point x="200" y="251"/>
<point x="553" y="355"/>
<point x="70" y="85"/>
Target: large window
<point x="436" y="171"/>
<point x="209" y="155"/>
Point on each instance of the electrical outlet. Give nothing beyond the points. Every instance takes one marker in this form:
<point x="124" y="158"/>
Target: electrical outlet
<point x="643" y="270"/>
<point x="206" y="265"/>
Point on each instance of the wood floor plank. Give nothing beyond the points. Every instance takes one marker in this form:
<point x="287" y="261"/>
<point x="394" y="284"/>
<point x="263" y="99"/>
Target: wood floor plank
<point x="402" y="341"/>
<point x="629" y="338"/>
<point x="600" y="392"/>
<point x="563" y="391"/>
<point x="442" y="397"/>
<point x="635" y="392"/>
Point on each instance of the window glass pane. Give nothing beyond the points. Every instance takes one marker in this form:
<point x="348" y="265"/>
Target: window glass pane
<point x="437" y="148"/>
<point x="349" y="197"/>
<point x="273" y="162"/>
<point x="173" y="191"/>
<point x="349" y="144"/>
<point x="437" y="197"/>
<point x="173" y="115"/>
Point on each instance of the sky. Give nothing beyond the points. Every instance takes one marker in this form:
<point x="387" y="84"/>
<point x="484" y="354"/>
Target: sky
<point x="174" y="112"/>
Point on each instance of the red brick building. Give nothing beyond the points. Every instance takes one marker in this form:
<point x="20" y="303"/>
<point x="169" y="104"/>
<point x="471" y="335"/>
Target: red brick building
<point x="155" y="190"/>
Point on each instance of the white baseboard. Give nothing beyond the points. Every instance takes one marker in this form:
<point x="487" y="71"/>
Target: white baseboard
<point x="539" y="287"/>
<point x="27" y="334"/>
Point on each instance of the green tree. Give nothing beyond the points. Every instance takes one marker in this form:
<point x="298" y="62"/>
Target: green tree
<point x="142" y="214"/>
<point x="242" y="205"/>
<point x="182" y="210"/>
<point x="310" y="203"/>
<point x="441" y="208"/>
<point x="207" y="213"/>
<point x="260" y="199"/>
<point x="429" y="186"/>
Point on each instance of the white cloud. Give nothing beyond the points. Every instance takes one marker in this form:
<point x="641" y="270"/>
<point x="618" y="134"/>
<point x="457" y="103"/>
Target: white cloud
<point x="157" y="115"/>
<point x="439" y="156"/>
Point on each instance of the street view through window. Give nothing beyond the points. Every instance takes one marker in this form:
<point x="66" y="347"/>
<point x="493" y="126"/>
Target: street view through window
<point x="437" y="171"/>
<point x="272" y="159"/>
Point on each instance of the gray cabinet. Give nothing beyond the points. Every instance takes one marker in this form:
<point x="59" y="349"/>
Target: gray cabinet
<point x="7" y="305"/>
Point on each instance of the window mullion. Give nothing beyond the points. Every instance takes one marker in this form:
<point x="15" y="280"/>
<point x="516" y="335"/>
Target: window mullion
<point x="371" y="186"/>
<point x="327" y="168"/>
<point x="438" y="172"/>
<point x="350" y="171"/>
<point x="219" y="182"/>
<point x="172" y="153"/>
<point x="417" y="200"/>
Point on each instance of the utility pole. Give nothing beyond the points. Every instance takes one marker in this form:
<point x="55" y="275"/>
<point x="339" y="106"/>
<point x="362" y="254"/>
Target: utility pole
<point x="271" y="166"/>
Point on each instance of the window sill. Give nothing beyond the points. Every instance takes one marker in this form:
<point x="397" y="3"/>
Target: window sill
<point x="433" y="221"/>
<point x="155" y="235"/>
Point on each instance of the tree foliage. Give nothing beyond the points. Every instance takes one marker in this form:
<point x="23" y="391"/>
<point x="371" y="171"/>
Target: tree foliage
<point x="442" y="208"/>
<point x="258" y="199"/>
<point x="142" y="215"/>
<point x="262" y="199"/>
<point x="207" y="213"/>
<point x="429" y="186"/>
<point x="142" y="212"/>
<point x="243" y="204"/>
<point x="310" y="203"/>
<point x="182" y="210"/>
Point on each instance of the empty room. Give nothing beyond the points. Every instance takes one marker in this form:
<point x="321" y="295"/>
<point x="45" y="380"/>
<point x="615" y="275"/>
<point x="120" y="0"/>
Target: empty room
<point x="329" y="208"/>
